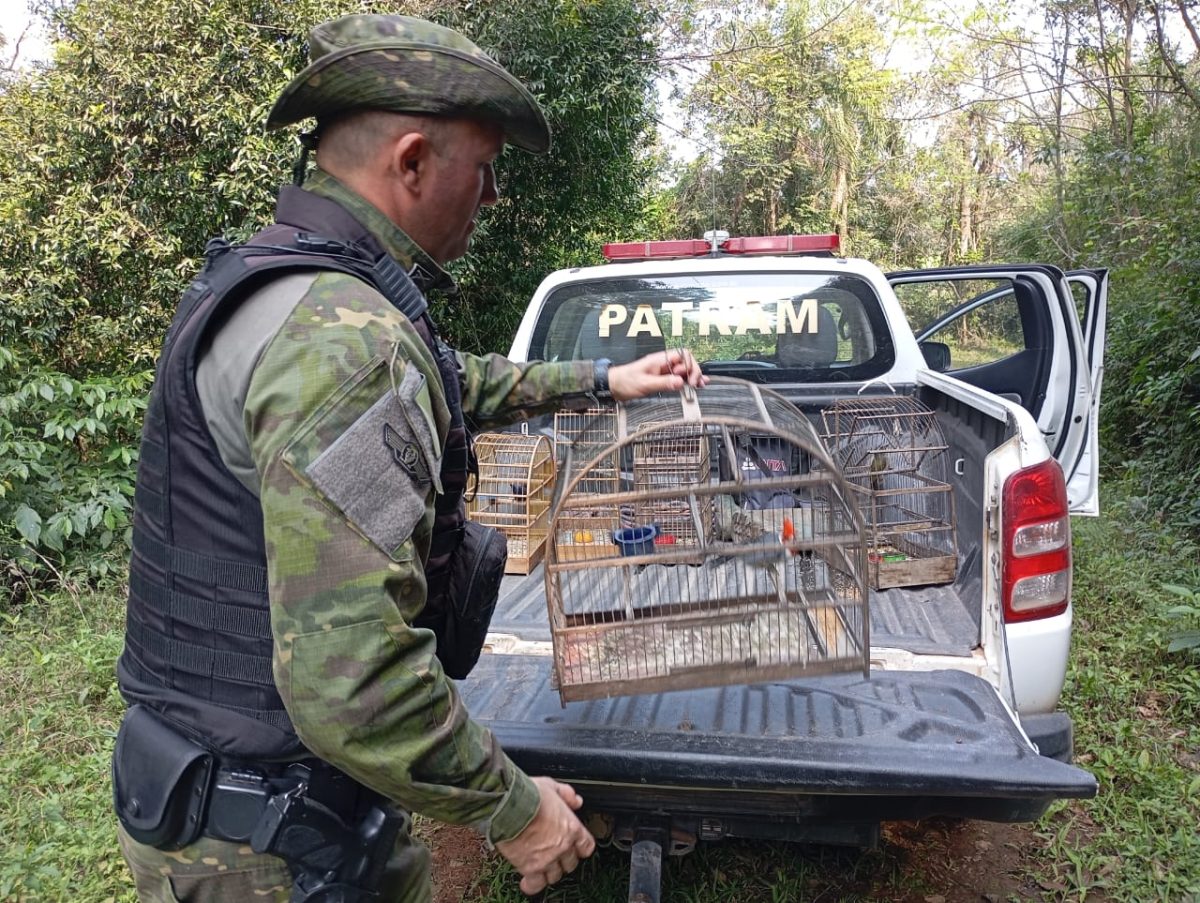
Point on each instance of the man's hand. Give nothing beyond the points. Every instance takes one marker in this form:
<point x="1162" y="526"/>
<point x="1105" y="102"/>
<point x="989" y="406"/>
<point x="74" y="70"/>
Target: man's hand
<point x="553" y="843"/>
<point x="665" y="371"/>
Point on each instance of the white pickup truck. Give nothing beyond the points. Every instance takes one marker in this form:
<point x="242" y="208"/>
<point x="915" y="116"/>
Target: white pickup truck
<point x="959" y="716"/>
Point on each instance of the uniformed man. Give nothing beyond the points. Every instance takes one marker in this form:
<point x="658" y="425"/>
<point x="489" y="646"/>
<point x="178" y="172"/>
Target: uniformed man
<point x="299" y="497"/>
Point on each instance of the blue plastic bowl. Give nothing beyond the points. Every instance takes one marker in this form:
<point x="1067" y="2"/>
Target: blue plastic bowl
<point x="635" y="540"/>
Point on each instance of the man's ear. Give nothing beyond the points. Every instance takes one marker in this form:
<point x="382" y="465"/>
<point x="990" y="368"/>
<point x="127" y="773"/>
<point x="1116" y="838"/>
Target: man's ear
<point x="410" y="158"/>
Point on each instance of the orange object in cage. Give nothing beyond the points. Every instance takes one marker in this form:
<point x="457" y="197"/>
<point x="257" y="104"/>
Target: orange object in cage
<point x="513" y="492"/>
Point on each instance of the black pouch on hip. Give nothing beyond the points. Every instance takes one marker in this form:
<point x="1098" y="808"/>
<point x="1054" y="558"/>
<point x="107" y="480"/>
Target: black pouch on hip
<point x="161" y="781"/>
<point x="461" y="617"/>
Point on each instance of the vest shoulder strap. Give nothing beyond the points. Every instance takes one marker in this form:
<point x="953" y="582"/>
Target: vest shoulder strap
<point x="229" y="268"/>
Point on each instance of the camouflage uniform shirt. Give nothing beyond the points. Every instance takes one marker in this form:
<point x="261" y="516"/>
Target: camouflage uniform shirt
<point x="294" y="388"/>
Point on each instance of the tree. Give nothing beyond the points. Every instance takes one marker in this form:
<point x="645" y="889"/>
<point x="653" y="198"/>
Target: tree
<point x="592" y="65"/>
<point x="793" y="107"/>
<point x="142" y="137"/>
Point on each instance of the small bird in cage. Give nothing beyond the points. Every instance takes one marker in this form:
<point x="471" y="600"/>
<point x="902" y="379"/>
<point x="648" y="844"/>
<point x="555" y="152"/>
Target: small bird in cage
<point x="878" y="465"/>
<point x="771" y="547"/>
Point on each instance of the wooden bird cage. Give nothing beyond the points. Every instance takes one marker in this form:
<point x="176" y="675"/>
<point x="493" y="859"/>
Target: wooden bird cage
<point x="579" y="437"/>
<point x="700" y="583"/>
<point x="513" y="492"/>
<point x="892" y="451"/>
<point x="672" y="455"/>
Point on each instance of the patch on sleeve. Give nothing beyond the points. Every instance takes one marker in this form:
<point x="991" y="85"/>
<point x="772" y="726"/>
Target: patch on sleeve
<point x="375" y="466"/>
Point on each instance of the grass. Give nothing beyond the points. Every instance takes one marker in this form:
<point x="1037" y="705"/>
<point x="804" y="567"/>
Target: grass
<point x="59" y="710"/>
<point x="1136" y="711"/>
<point x="730" y="873"/>
<point x="1137" y="720"/>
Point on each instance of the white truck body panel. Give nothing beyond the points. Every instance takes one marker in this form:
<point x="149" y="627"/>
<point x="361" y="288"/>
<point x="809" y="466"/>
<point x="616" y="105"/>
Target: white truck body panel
<point x="1026" y="662"/>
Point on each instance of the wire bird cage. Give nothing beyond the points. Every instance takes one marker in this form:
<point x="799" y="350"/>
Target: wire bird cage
<point x="724" y="555"/>
<point x="892" y="451"/>
<point x="580" y="436"/>
<point x="665" y="456"/>
<point x="513" y="491"/>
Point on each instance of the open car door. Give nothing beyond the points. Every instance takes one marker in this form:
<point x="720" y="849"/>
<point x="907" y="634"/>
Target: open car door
<point x="1017" y="331"/>
<point x="1090" y="290"/>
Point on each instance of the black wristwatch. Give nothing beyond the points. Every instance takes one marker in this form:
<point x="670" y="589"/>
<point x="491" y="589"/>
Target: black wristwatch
<point x="600" y="374"/>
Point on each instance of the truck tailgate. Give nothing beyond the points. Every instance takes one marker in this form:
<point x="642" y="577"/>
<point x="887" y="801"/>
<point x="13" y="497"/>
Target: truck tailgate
<point x="900" y="745"/>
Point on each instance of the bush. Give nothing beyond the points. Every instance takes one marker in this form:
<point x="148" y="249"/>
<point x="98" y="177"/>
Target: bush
<point x="143" y="137"/>
<point x="1187" y="638"/>
<point x="66" y="459"/>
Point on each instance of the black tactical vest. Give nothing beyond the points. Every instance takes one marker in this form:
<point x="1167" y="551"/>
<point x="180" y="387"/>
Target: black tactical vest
<point x="198" y="635"/>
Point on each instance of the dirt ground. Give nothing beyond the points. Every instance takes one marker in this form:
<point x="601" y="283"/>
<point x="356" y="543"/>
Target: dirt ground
<point x="458" y="855"/>
<point x="963" y="862"/>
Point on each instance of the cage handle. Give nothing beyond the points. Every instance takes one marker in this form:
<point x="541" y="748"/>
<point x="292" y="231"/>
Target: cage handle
<point x="689" y="403"/>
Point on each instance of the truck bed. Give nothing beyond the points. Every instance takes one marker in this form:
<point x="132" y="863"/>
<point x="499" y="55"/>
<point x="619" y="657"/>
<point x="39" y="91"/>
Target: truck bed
<point x="929" y="620"/>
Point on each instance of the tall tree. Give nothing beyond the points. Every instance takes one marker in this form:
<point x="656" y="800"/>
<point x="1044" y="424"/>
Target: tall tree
<point x="792" y="109"/>
<point x="142" y="136"/>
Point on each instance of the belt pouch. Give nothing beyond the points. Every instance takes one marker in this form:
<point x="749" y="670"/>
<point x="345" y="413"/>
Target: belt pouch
<point x="462" y="616"/>
<point x="161" y="781"/>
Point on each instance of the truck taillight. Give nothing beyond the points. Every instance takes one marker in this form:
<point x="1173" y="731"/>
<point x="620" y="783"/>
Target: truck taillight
<point x="1036" y="581"/>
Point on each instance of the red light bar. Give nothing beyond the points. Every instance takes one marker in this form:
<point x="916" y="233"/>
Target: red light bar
<point x="782" y="244"/>
<point x="646" y="250"/>
<point x="699" y="247"/>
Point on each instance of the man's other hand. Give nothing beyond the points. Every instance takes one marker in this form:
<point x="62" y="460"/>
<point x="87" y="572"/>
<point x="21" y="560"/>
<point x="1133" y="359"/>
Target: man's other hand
<point x="553" y="843"/>
<point x="663" y="371"/>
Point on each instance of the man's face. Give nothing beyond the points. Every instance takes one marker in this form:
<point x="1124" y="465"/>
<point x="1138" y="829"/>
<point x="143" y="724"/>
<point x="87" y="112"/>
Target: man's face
<point x="460" y="182"/>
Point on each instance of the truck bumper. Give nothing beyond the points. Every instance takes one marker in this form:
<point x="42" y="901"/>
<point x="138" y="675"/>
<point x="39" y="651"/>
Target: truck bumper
<point x="1052" y="733"/>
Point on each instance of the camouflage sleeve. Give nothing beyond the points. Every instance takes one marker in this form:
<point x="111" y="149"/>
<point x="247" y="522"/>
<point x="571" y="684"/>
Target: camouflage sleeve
<point x="346" y="417"/>
<point x="497" y="391"/>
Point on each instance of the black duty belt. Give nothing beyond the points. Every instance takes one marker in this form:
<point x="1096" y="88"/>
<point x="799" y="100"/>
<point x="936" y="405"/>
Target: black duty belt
<point x="335" y="834"/>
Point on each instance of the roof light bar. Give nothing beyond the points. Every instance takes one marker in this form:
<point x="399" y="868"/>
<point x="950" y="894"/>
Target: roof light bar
<point x="646" y="250"/>
<point x="749" y="246"/>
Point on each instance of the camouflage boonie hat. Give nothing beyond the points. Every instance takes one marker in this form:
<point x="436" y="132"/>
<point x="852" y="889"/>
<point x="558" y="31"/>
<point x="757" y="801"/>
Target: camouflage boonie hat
<point x="408" y="65"/>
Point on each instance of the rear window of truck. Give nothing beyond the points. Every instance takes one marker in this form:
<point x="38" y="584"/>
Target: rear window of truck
<point x="767" y="327"/>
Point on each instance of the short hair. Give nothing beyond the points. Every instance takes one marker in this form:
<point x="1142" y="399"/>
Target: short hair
<point x="351" y="141"/>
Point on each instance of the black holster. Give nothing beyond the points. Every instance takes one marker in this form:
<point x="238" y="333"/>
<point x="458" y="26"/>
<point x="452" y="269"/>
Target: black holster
<point x="460" y="616"/>
<point x="334" y="834"/>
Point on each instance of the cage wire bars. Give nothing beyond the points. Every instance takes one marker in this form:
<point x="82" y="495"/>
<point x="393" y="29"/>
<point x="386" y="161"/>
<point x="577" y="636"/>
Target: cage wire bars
<point x="892" y="452"/>
<point x="701" y="539"/>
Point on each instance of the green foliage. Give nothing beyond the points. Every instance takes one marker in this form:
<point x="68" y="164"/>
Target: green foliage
<point x="66" y="455"/>
<point x="591" y="65"/>
<point x="119" y="159"/>
<point x="792" y="113"/>
<point x="143" y="137"/>
<point x="1187" y="638"/>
